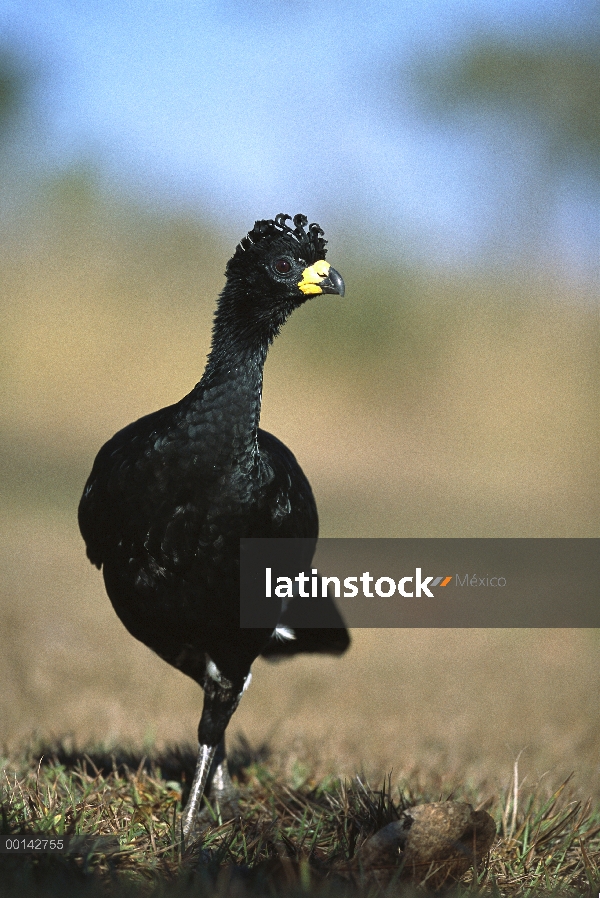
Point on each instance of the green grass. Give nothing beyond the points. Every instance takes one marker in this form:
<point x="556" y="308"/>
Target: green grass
<point x="295" y="835"/>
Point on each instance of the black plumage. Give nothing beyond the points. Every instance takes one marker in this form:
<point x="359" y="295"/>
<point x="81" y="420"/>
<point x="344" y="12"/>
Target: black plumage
<point x="170" y="496"/>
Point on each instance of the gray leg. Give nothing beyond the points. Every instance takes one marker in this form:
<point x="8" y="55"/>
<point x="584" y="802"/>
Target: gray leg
<point x="205" y="755"/>
<point x="220" y="788"/>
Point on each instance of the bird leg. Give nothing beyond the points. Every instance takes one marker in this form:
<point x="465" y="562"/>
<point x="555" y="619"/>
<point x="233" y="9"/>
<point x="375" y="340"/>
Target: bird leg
<point x="220" y="788"/>
<point x="221" y="698"/>
<point x="206" y="754"/>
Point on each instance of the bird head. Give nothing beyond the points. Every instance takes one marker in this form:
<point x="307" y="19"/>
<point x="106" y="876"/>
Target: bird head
<point x="285" y="265"/>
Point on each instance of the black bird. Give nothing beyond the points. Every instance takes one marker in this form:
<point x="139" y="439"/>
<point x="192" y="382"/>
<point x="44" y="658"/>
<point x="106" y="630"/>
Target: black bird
<point x="170" y="496"/>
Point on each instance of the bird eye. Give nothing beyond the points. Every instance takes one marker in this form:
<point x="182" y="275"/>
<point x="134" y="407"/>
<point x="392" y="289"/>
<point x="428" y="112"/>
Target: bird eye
<point x="283" y="266"/>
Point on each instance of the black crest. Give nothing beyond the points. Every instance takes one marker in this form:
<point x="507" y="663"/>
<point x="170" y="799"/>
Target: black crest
<point x="310" y="238"/>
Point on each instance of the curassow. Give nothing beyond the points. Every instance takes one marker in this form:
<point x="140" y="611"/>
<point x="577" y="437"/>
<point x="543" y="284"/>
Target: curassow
<point x="170" y="496"/>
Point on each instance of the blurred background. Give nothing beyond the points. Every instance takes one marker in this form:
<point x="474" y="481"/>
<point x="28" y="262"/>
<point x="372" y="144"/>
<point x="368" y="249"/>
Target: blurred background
<point x="451" y="151"/>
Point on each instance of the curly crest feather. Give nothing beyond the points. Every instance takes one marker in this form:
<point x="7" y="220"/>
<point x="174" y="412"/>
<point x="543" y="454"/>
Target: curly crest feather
<point x="312" y="243"/>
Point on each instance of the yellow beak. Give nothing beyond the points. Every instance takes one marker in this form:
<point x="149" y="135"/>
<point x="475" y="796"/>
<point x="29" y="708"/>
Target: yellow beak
<point x="321" y="278"/>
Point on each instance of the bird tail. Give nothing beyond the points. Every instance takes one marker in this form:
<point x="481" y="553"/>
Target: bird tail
<point x="325" y="641"/>
<point x="332" y="638"/>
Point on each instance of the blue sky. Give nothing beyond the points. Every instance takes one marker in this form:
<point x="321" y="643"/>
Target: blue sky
<point x="251" y="108"/>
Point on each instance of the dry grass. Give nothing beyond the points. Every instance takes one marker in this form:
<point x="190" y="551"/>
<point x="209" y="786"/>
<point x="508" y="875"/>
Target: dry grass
<point x="296" y="835"/>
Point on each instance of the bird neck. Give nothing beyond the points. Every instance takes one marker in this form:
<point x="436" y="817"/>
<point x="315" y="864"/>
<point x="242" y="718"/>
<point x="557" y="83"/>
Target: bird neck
<point x="227" y="401"/>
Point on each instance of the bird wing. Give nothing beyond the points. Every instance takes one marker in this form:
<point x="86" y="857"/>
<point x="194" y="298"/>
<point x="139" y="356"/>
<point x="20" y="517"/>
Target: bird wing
<point x="294" y="514"/>
<point x="287" y="494"/>
<point x="130" y="501"/>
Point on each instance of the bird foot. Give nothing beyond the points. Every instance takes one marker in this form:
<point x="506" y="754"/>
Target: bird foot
<point x="217" y="811"/>
<point x="213" y="798"/>
<point x="221" y="800"/>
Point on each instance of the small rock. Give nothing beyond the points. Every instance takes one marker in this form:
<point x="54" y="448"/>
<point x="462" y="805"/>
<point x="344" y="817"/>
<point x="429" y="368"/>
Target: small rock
<point x="432" y="843"/>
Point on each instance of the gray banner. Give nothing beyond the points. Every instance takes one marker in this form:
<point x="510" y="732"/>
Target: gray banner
<point x="420" y="583"/>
